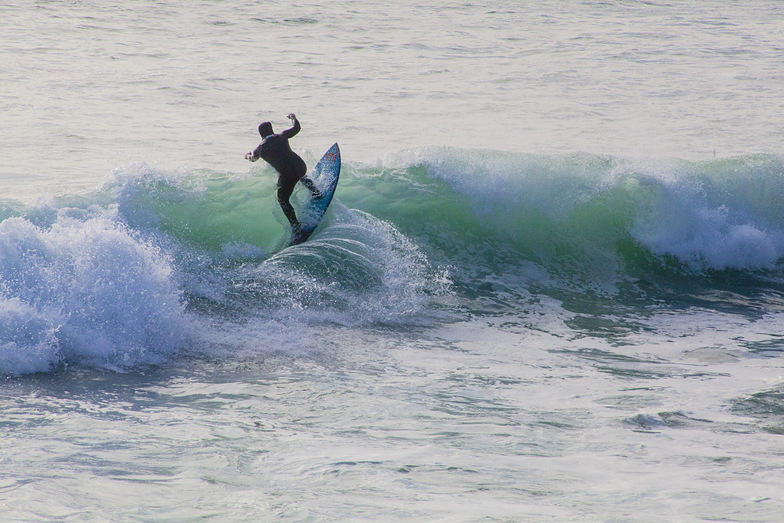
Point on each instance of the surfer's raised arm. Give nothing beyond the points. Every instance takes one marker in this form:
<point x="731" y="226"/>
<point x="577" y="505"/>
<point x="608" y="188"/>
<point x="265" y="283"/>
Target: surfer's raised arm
<point x="288" y="133"/>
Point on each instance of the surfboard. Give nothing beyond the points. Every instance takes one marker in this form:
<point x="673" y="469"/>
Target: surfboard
<point x="325" y="176"/>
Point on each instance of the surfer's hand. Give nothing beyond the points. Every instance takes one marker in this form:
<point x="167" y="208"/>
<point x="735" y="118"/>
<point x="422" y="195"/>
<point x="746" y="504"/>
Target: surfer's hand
<point x="249" y="156"/>
<point x="291" y="116"/>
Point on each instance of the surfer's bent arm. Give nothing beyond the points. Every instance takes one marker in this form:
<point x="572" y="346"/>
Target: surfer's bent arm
<point x="288" y="133"/>
<point x="254" y="154"/>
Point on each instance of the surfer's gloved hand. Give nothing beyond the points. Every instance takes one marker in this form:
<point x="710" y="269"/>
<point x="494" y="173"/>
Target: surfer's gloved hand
<point x="249" y="156"/>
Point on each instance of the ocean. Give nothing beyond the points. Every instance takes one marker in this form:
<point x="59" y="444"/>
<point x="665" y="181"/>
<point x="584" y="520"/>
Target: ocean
<point x="549" y="288"/>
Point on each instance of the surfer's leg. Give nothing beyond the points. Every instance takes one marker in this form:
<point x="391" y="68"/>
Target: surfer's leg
<point x="307" y="182"/>
<point x="284" y="193"/>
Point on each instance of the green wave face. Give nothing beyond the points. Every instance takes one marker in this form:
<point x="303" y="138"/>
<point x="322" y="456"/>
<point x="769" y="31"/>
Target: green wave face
<point x="582" y="220"/>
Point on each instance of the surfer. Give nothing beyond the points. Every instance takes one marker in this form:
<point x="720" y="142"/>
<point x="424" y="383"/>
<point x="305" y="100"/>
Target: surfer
<point x="275" y="150"/>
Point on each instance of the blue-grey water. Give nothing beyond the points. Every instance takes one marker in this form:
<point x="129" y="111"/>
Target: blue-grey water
<point x="550" y="287"/>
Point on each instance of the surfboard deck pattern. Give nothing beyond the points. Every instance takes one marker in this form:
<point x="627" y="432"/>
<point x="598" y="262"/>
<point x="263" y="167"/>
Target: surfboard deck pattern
<point x="325" y="176"/>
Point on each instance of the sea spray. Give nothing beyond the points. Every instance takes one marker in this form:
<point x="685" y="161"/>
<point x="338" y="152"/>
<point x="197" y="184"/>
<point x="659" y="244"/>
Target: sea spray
<point x="358" y="271"/>
<point x="716" y="215"/>
<point x="84" y="290"/>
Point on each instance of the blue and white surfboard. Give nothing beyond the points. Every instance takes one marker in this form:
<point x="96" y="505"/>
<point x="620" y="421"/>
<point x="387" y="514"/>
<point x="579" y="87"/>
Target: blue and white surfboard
<point x="325" y="176"/>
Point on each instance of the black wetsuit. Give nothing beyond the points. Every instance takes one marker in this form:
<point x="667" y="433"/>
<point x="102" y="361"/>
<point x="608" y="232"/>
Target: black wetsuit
<point x="275" y="150"/>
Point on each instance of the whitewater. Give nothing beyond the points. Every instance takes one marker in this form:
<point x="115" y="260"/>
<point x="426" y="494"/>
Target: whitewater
<point x="549" y="287"/>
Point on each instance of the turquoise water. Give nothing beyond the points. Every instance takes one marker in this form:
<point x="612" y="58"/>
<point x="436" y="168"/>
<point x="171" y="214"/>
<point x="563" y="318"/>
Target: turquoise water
<point x="549" y="287"/>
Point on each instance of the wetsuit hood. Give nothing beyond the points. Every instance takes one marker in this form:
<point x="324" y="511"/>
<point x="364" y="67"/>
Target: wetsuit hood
<point x="265" y="129"/>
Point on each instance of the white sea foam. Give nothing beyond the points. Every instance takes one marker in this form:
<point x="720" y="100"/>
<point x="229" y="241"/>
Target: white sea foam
<point x="696" y="217"/>
<point x="85" y="290"/>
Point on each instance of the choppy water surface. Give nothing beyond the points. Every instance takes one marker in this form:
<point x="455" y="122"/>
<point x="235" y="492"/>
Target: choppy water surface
<point x="549" y="288"/>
